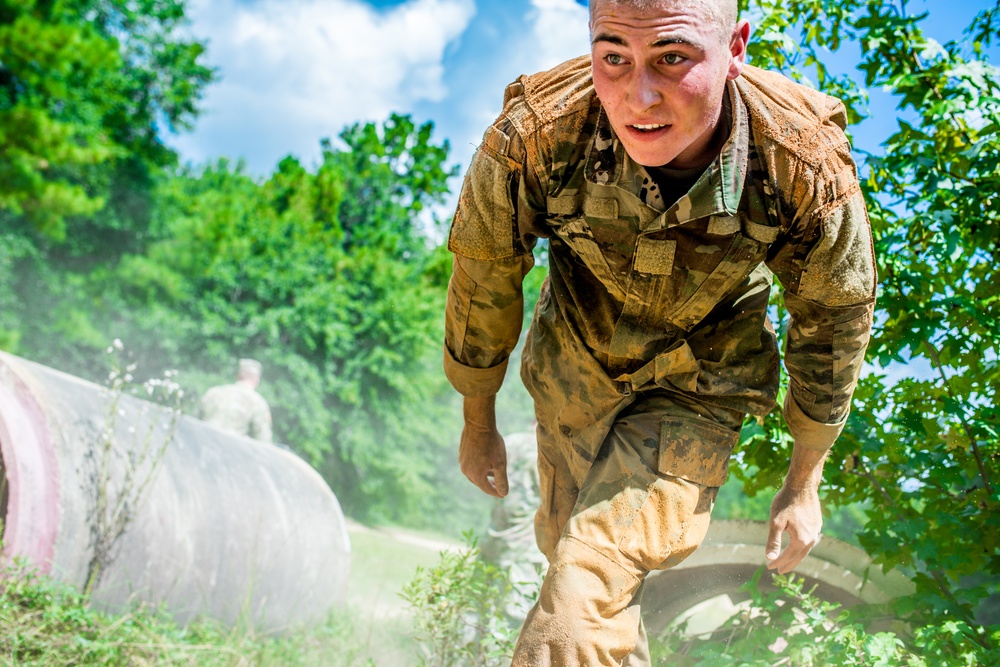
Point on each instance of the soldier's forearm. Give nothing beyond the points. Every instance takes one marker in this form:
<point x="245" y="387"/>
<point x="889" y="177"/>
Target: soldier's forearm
<point x="805" y="470"/>
<point x="480" y="412"/>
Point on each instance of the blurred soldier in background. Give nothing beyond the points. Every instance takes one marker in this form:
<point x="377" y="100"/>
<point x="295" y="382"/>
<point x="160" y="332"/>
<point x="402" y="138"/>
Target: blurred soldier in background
<point x="510" y="540"/>
<point x="237" y="407"/>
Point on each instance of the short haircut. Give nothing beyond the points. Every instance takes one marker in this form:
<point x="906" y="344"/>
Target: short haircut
<point x="722" y="12"/>
<point x="249" y="368"/>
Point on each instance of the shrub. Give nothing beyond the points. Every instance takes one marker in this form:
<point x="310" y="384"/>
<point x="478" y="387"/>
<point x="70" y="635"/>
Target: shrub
<point x="458" y="608"/>
<point x="790" y="626"/>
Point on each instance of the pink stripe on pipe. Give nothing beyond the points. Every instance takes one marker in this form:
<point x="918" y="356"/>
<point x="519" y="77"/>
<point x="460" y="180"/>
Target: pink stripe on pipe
<point x="29" y="459"/>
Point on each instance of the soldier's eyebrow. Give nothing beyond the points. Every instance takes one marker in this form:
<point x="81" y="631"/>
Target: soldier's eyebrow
<point x="668" y="41"/>
<point x="658" y="44"/>
<point x="607" y="37"/>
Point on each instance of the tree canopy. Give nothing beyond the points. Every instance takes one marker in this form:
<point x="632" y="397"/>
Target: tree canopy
<point x="921" y="451"/>
<point x="84" y="89"/>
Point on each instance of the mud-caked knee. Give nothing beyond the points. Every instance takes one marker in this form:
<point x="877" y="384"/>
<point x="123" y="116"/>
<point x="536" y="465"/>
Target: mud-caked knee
<point x="582" y="616"/>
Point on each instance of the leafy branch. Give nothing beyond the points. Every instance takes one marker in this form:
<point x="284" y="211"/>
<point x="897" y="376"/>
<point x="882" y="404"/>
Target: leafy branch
<point x="973" y="441"/>
<point x="932" y="424"/>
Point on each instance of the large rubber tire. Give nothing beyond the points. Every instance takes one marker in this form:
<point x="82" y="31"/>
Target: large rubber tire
<point x="733" y="552"/>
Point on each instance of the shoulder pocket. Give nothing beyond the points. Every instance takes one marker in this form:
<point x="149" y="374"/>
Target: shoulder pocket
<point x="696" y="450"/>
<point x="484" y="222"/>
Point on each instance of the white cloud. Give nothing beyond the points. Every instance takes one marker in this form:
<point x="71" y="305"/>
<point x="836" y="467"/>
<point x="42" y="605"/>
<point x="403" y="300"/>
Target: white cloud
<point x="296" y="71"/>
<point x="553" y="31"/>
<point x="543" y="34"/>
<point x="559" y="32"/>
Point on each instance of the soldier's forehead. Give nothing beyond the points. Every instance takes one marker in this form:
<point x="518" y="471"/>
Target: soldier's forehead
<point x="720" y="12"/>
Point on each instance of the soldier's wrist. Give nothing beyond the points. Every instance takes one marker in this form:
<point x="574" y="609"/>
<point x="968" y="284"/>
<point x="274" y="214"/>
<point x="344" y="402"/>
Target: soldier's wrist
<point x="805" y="470"/>
<point x="479" y="412"/>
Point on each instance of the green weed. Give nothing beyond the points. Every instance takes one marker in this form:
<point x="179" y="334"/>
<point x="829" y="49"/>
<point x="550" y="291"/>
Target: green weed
<point x="49" y="624"/>
<point x="458" y="609"/>
<point x="791" y="627"/>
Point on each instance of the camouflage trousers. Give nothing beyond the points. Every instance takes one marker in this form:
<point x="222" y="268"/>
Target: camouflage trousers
<point x="643" y="504"/>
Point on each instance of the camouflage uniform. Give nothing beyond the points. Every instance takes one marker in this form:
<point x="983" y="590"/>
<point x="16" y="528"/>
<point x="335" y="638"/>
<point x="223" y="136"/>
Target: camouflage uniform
<point x="238" y="408"/>
<point x="650" y="340"/>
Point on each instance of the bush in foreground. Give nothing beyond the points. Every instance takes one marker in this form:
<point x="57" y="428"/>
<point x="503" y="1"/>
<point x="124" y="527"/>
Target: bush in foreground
<point x="790" y="626"/>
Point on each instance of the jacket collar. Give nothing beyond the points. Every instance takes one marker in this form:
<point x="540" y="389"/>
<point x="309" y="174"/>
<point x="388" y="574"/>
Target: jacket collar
<point x="717" y="192"/>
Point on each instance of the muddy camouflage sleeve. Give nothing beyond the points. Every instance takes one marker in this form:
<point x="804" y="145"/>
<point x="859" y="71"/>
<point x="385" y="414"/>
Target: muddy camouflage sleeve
<point x="827" y="266"/>
<point x="492" y="234"/>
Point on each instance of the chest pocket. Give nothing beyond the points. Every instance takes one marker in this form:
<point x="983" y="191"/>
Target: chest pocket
<point x="747" y="249"/>
<point x="569" y="222"/>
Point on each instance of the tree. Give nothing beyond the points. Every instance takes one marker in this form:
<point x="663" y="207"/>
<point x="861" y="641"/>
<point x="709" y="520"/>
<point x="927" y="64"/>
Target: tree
<point x="327" y="277"/>
<point x="85" y="89"/>
<point x="83" y="84"/>
<point x="923" y="453"/>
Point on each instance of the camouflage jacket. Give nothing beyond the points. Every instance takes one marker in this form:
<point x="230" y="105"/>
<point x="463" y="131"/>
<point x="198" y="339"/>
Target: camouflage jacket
<point x="238" y="408"/>
<point x="641" y="295"/>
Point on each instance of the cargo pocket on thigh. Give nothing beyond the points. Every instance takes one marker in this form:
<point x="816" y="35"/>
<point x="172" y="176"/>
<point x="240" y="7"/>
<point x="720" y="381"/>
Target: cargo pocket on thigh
<point x="693" y="462"/>
<point x="696" y="449"/>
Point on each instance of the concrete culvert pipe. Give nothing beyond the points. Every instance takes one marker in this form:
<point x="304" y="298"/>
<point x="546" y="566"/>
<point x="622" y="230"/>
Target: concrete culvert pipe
<point x="707" y="584"/>
<point x="227" y="527"/>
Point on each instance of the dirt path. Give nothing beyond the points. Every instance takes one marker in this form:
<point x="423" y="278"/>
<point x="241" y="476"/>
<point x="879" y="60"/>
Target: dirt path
<point x="406" y="537"/>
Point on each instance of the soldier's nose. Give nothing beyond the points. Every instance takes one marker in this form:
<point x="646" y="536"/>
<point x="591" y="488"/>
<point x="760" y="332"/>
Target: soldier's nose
<point x="644" y="94"/>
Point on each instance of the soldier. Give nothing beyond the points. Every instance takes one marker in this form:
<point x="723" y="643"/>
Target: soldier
<point x="672" y="181"/>
<point x="237" y="407"/>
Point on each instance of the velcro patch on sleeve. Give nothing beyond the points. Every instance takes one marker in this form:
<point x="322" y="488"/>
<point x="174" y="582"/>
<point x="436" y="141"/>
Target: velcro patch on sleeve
<point x="840" y="268"/>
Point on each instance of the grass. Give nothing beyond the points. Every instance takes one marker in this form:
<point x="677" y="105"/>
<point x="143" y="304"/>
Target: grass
<point x="44" y="623"/>
<point x="47" y="623"/>
<point x="381" y="563"/>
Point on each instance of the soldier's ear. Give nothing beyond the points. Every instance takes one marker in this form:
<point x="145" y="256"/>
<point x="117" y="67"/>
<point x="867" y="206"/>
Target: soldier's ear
<point x="738" y="49"/>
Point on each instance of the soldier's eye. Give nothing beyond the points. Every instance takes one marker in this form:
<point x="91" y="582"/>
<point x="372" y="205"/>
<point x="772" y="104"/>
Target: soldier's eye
<point x="614" y="59"/>
<point x="673" y="58"/>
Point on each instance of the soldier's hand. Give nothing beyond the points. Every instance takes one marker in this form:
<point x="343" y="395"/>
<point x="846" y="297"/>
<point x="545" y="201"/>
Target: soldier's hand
<point x="482" y="454"/>
<point x="797" y="512"/>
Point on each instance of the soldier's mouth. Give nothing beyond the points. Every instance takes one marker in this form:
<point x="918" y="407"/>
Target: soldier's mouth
<point x="649" y="127"/>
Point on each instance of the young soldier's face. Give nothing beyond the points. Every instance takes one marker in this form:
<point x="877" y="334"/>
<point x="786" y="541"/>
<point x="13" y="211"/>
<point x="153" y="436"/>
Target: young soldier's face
<point x="660" y="74"/>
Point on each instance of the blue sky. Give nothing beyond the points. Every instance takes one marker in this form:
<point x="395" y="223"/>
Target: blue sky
<point x="295" y="71"/>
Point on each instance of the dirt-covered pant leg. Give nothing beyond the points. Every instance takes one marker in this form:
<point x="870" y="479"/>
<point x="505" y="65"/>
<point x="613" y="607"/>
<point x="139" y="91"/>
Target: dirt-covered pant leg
<point x="628" y="518"/>
<point x="639" y="657"/>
